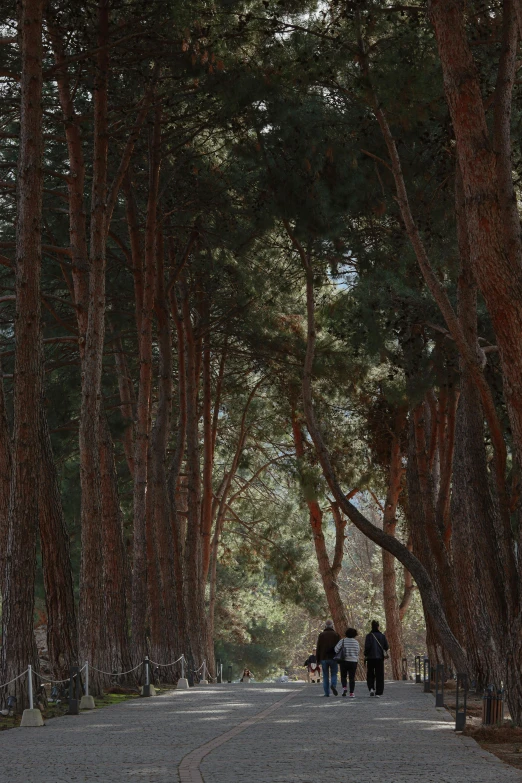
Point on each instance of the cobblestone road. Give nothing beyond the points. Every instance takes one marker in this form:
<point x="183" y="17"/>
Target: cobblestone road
<point x="400" y="738"/>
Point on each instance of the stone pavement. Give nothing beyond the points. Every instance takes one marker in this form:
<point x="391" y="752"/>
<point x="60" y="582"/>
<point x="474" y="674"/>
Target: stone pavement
<point x="256" y="733"/>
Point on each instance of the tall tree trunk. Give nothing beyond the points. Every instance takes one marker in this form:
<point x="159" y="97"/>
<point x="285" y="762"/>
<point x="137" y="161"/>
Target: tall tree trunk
<point x="177" y="523"/>
<point x="169" y="644"/>
<point x="492" y="217"/>
<point x="128" y="403"/>
<point x="475" y="514"/>
<point x="194" y="589"/>
<point x="115" y="564"/>
<point x="389" y="578"/>
<point x="442" y="571"/>
<point x="331" y="588"/>
<point x="62" y="628"/>
<point x="92" y="605"/>
<point x="208" y="449"/>
<point x="143" y="546"/>
<point x="5" y="483"/>
<point x="18" y="645"/>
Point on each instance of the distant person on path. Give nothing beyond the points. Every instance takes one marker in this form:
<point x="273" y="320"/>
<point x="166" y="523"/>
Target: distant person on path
<point x="375" y="651"/>
<point x="348" y="652"/>
<point x="325" y="656"/>
<point x="313" y="668"/>
<point x="246" y="675"/>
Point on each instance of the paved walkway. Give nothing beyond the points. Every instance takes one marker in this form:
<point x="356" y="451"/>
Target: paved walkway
<point x="260" y="733"/>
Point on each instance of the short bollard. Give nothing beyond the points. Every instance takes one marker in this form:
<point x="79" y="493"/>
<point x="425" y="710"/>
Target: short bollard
<point x="461" y="701"/>
<point x="404" y="664"/>
<point x="439" y="685"/>
<point x="418" y="669"/>
<point x="183" y="683"/>
<point x="427" y="675"/>
<point x="147" y="689"/>
<point x="31" y="718"/>
<point x="229" y="674"/>
<point x="74" y="691"/>
<point x="204" y="680"/>
<point x="493" y="706"/>
<point x="87" y="702"/>
<point x="221" y="672"/>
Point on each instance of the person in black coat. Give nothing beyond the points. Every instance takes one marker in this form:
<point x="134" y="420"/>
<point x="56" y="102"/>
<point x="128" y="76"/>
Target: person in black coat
<point x="375" y="651"/>
<point x="314" y="672"/>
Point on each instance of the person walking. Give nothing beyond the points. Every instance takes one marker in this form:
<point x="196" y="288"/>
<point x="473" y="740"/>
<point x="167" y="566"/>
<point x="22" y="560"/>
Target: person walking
<point x="347" y="650"/>
<point x="375" y="651"/>
<point x="312" y="668"/>
<point x="325" y="656"/>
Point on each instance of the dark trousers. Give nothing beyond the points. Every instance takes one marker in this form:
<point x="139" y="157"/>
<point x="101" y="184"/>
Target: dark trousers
<point x="375" y="675"/>
<point x="348" y="668"/>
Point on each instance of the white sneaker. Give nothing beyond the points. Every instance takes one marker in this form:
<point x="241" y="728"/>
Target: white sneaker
<point x="372" y="692"/>
<point x="377" y="696"/>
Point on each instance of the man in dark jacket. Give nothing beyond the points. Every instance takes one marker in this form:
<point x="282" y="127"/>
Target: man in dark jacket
<point x="375" y="648"/>
<point x="325" y="656"/>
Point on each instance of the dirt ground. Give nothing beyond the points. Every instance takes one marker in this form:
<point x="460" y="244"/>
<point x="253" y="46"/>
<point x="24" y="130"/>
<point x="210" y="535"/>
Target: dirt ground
<point x="503" y="741"/>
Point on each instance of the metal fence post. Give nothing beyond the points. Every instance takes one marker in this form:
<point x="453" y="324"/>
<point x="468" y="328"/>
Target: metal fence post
<point x="461" y="701"/>
<point x="74" y="688"/>
<point x="146" y="687"/>
<point x="31" y="717"/>
<point x="427" y="676"/>
<point x="87" y="702"/>
<point x="230" y="674"/>
<point x="439" y="685"/>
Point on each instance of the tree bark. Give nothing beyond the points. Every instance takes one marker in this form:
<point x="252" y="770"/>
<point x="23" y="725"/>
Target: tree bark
<point x="208" y="451"/>
<point x="193" y="587"/>
<point x="474" y="510"/>
<point x="168" y="645"/>
<point x="128" y="403"/>
<point x="389" y="578"/>
<point x="492" y="216"/>
<point x="62" y="627"/>
<point x="5" y="483"/>
<point x="92" y="603"/>
<point x="143" y="545"/>
<point x="115" y="564"/>
<point x="18" y="645"/>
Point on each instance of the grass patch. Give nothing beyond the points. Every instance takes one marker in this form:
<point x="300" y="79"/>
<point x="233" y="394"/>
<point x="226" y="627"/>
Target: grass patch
<point x="116" y="694"/>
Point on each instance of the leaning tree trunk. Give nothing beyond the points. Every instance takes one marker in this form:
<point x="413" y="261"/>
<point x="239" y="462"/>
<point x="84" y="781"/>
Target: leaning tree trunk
<point x="18" y="645"/>
<point x="430" y="598"/>
<point x="329" y="580"/>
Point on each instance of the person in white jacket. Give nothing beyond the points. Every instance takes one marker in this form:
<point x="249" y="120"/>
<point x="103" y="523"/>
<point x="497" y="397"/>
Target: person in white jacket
<point x="347" y="652"/>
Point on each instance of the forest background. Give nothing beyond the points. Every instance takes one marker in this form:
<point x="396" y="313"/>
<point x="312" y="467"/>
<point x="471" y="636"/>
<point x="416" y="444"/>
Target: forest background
<point x="261" y="310"/>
